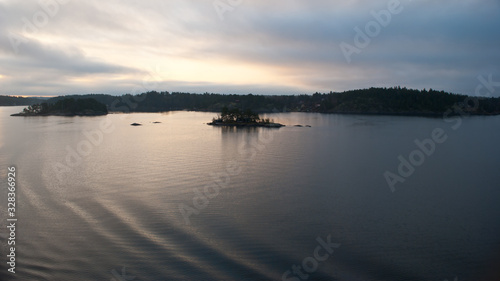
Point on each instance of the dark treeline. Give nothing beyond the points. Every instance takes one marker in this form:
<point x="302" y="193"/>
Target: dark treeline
<point x="67" y="106"/>
<point x="405" y="101"/>
<point x="18" y="101"/>
<point x="394" y="100"/>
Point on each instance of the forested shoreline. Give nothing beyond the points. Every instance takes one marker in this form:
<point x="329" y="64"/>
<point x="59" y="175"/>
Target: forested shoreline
<point x="391" y="101"/>
<point x="66" y="107"/>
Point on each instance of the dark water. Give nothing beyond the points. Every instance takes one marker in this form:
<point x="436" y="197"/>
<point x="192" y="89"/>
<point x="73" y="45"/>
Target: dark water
<point x="107" y="206"/>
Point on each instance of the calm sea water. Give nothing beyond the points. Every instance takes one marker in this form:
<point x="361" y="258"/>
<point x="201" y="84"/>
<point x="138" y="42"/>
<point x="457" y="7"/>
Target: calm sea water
<point x="98" y="199"/>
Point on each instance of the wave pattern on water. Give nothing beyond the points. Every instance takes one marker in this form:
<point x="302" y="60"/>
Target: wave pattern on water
<point x="119" y="208"/>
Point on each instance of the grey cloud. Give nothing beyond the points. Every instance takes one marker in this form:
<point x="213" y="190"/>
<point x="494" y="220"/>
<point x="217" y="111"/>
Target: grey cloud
<point x="441" y="45"/>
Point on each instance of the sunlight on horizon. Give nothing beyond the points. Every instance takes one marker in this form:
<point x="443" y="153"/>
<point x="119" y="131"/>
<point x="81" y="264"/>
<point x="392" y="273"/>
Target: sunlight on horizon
<point x="78" y="47"/>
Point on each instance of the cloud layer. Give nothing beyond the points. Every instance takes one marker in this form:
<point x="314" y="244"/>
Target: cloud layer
<point x="53" y="47"/>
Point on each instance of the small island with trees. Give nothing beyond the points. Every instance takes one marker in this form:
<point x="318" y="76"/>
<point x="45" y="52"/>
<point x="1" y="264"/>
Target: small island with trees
<point x="66" y="107"/>
<point x="242" y="118"/>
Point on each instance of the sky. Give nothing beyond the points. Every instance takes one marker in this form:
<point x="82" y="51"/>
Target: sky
<point x="59" y="47"/>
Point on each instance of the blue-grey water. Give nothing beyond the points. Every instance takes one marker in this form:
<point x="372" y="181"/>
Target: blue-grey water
<point x="98" y="199"/>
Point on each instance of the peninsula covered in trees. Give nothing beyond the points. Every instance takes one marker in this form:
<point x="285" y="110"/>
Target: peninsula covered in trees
<point x="390" y="101"/>
<point x="66" y="107"/>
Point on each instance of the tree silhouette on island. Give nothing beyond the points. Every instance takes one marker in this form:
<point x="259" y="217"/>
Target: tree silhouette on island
<point x="237" y="117"/>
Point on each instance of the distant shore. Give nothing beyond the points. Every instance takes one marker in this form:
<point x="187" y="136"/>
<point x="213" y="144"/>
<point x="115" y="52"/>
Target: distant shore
<point x="60" y="114"/>
<point x="66" y="107"/>
<point x="398" y="101"/>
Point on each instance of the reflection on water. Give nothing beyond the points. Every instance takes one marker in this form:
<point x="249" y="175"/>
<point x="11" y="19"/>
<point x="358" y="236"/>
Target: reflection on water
<point x="279" y="190"/>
